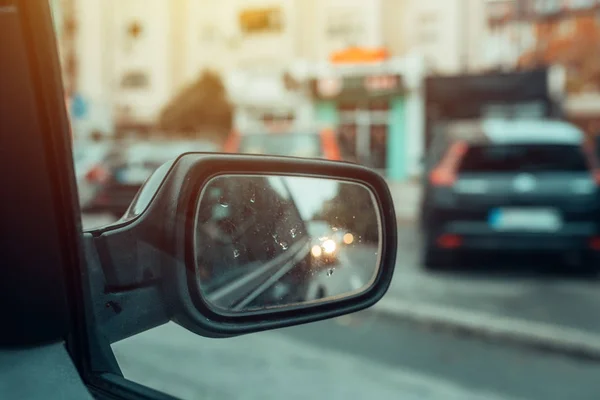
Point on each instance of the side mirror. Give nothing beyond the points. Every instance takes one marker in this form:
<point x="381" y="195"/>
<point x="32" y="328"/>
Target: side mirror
<point x="232" y="244"/>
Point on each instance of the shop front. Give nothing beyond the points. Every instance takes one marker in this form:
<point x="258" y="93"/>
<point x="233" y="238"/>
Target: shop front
<point x="374" y="104"/>
<point x="364" y="119"/>
<point x="368" y="113"/>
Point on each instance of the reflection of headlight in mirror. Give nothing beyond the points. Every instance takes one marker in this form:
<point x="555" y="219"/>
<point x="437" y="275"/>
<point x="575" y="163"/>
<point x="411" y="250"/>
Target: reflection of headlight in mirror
<point x="348" y="238"/>
<point x="329" y="246"/>
<point x="316" y="251"/>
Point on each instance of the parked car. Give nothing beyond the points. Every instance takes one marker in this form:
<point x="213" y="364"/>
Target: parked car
<point x="315" y="144"/>
<point x="129" y="164"/>
<point x="90" y="173"/>
<point x="512" y="186"/>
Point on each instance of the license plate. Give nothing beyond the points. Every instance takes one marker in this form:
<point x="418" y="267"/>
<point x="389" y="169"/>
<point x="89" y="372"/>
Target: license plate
<point x="133" y="175"/>
<point x="531" y="220"/>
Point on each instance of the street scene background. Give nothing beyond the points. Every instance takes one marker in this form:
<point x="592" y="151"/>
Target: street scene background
<point x="370" y="82"/>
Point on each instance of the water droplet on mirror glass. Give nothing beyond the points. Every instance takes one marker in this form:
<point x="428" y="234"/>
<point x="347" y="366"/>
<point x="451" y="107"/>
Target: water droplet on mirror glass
<point x="330" y="271"/>
<point x="223" y="202"/>
<point x="253" y="198"/>
<point x="236" y="253"/>
<point x="354" y="217"/>
<point x="293" y="232"/>
<point x="284" y="245"/>
<point x="334" y="229"/>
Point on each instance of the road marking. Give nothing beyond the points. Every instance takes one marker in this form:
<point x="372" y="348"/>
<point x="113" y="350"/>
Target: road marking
<point x="556" y="338"/>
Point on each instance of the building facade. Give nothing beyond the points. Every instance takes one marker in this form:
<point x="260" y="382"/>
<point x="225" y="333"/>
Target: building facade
<point x="134" y="56"/>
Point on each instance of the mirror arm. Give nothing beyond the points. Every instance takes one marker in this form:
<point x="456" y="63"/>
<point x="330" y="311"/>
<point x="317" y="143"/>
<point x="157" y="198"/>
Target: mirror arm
<point x="121" y="312"/>
<point x="128" y="261"/>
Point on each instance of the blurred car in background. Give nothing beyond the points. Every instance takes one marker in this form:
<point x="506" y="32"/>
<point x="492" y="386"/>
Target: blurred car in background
<point x="321" y="144"/>
<point x="89" y="171"/>
<point x="520" y="187"/>
<point x="324" y="244"/>
<point x="128" y="164"/>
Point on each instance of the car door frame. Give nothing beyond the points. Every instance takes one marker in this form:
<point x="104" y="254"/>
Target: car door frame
<point x="43" y="258"/>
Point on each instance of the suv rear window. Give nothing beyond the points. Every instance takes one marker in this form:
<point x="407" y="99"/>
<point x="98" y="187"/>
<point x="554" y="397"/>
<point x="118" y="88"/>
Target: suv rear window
<point x="523" y="158"/>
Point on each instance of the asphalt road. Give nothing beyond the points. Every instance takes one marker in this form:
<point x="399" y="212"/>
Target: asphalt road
<point x="356" y="357"/>
<point x="369" y="355"/>
<point x="353" y="272"/>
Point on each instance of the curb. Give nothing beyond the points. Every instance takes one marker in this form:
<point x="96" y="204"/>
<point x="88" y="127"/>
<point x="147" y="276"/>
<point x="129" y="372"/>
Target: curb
<point x="541" y="336"/>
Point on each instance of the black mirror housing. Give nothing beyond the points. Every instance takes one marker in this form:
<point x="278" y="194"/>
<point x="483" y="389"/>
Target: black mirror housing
<point x="152" y="246"/>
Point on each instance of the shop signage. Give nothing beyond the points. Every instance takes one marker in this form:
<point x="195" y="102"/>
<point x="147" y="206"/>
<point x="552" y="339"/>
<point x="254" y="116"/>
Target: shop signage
<point x="356" y="87"/>
<point x="329" y="87"/>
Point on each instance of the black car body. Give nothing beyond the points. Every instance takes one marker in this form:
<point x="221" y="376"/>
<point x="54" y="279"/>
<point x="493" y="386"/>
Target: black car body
<point x="509" y="186"/>
<point x="256" y="245"/>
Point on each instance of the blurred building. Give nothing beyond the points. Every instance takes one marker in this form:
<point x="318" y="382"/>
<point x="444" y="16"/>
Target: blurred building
<point x="451" y="35"/>
<point x="133" y="56"/>
<point x="565" y="33"/>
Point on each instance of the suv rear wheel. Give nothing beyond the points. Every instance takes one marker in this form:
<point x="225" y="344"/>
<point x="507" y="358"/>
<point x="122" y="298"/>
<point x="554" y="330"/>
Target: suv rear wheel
<point x="436" y="260"/>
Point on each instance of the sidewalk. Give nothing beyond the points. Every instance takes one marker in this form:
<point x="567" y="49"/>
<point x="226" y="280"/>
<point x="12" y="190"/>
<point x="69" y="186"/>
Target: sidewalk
<point x="550" y="314"/>
<point x="406" y="196"/>
<point x="487" y="325"/>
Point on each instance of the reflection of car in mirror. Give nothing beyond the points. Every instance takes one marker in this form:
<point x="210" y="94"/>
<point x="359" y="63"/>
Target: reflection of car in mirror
<point x="252" y="243"/>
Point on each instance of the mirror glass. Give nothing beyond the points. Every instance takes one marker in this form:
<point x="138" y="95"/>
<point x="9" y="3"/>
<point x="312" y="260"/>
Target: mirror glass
<point x="280" y="241"/>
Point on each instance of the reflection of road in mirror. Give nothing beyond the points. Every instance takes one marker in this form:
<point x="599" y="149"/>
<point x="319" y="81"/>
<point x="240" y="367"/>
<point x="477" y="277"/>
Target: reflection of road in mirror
<point x="284" y="241"/>
<point x="353" y="272"/>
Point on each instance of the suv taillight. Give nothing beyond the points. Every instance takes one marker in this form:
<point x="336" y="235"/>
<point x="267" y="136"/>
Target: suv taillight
<point x="441" y="176"/>
<point x="445" y="173"/>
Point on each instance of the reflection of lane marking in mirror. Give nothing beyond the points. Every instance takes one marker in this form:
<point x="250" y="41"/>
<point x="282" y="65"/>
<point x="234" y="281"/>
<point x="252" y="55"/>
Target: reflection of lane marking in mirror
<point x="223" y="292"/>
<point x="274" y="279"/>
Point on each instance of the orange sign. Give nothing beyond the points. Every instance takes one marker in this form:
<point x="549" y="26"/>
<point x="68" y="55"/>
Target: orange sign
<point x="356" y="55"/>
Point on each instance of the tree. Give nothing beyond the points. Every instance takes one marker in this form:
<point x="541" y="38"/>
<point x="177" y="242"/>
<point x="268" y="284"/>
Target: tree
<point x="201" y="108"/>
<point x="576" y="50"/>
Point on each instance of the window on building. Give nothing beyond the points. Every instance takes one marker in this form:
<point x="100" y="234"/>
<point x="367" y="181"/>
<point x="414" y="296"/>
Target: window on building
<point x="135" y="29"/>
<point x="378" y="145"/>
<point x="135" y="80"/>
<point x="261" y="20"/>
<point x="344" y="24"/>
